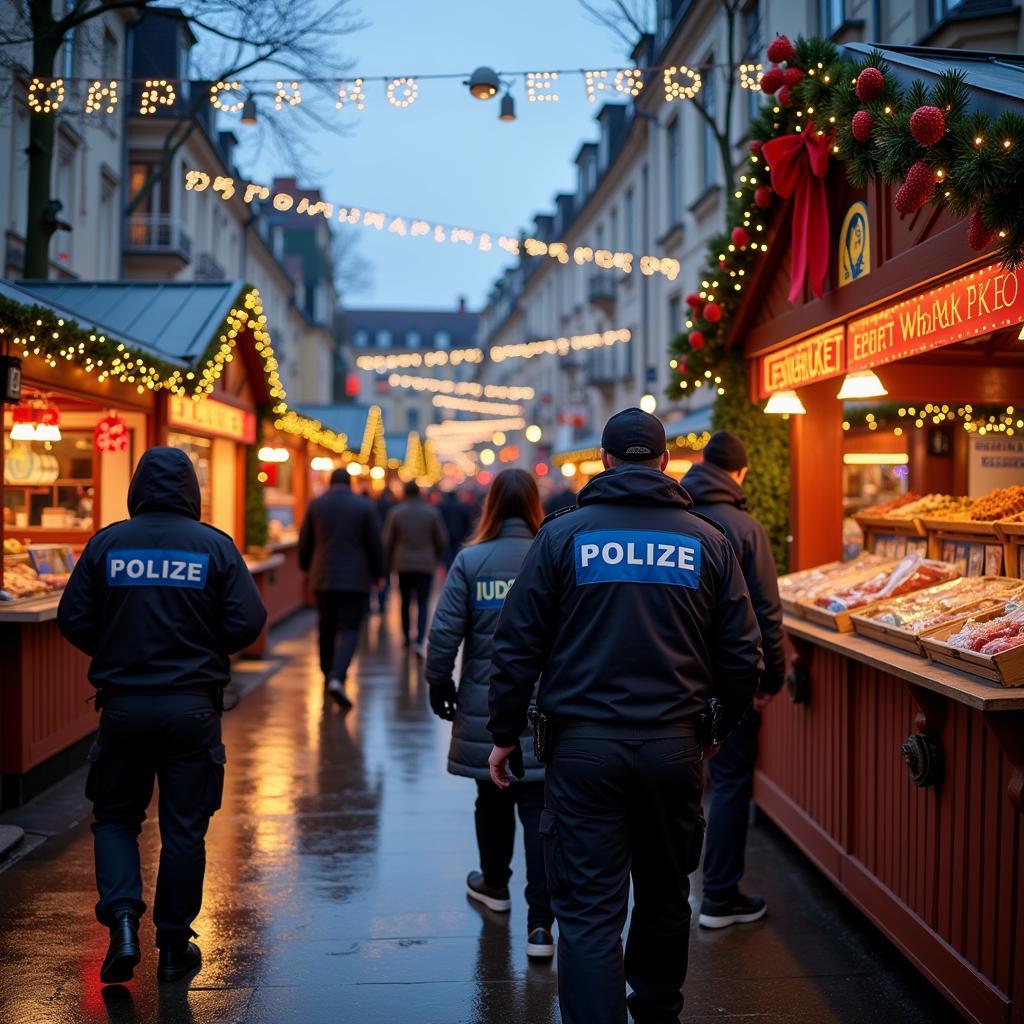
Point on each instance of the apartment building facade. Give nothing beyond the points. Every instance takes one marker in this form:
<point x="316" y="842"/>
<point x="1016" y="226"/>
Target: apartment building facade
<point x="125" y="226"/>
<point x="653" y="183"/>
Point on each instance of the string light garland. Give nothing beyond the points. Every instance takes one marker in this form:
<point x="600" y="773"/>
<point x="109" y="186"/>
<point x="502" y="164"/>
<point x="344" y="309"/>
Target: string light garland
<point x="226" y="187"/>
<point x="476" y="405"/>
<point x="922" y="137"/>
<point x="404" y="360"/>
<point x="157" y="93"/>
<point x="981" y="420"/>
<point x="402" y="92"/>
<point x="559" y="346"/>
<point x="681" y="83"/>
<point x="472" y="388"/>
<point x="98" y="93"/>
<point x="45" y="95"/>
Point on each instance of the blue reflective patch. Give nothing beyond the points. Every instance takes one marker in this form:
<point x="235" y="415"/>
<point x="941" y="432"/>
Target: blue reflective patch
<point x="490" y="592"/>
<point x="637" y="556"/>
<point x="155" y="567"/>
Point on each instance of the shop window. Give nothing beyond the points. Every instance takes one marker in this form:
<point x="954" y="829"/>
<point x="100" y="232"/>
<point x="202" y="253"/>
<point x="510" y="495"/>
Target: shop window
<point x="675" y="173"/>
<point x="413" y="339"/>
<point x="383" y="338"/>
<point x="50" y="486"/>
<point x="198" y="449"/>
<point x="361" y="338"/>
<point x="831" y="16"/>
<point x="442" y="339"/>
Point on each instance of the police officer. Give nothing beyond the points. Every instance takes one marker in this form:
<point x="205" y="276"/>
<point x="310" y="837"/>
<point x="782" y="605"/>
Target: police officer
<point x="634" y="613"/>
<point x="159" y="601"/>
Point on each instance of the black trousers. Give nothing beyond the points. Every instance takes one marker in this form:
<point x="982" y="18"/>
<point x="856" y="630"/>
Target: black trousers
<point x="173" y="738"/>
<point x="732" y="782"/>
<point x="341" y="618"/>
<point x="496" y="834"/>
<point x="416" y="584"/>
<point x="615" y="809"/>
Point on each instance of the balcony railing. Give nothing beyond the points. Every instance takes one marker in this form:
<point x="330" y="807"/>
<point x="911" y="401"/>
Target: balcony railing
<point x="158" y="234"/>
<point x="208" y="269"/>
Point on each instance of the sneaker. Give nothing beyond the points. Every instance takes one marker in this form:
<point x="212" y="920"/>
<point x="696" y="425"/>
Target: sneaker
<point x="540" y="945"/>
<point x="494" y="899"/>
<point x="737" y="909"/>
<point x="336" y="688"/>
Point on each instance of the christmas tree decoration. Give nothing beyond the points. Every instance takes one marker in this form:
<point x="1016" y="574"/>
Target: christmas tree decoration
<point x="792" y="76"/>
<point x="754" y="146"/>
<point x="740" y="238"/>
<point x="772" y="80"/>
<point x="696" y="340"/>
<point x="979" y="235"/>
<point x="780" y="49"/>
<point x="862" y="125"/>
<point x="712" y="312"/>
<point x="785" y="96"/>
<point x="917" y="189"/>
<point x="763" y="197"/>
<point x="870" y="83"/>
<point x="693" y="300"/>
<point x="928" y="125"/>
<point x="111" y="434"/>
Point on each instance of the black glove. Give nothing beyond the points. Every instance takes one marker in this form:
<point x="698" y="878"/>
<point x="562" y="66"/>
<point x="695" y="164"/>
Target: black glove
<point x="515" y="761"/>
<point x="443" y="700"/>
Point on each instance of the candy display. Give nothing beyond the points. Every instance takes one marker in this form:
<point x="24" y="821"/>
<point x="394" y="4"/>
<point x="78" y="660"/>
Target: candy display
<point x="998" y="504"/>
<point x="805" y="585"/>
<point x="910" y="574"/>
<point x="928" y="609"/>
<point x="993" y="635"/>
<point x="889" y="507"/>
<point x="21" y="580"/>
<point x="931" y="505"/>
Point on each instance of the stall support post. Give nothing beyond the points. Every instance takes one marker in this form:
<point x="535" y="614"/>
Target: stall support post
<point x="816" y="478"/>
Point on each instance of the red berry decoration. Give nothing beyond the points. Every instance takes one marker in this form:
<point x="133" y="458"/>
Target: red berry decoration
<point x="772" y="80"/>
<point x="979" y="234"/>
<point x="763" y="197"/>
<point x="917" y="189"/>
<point x="696" y="339"/>
<point x="928" y="125"/>
<point x="862" y="125"/>
<point x="755" y="146"/>
<point x="792" y="76"/>
<point x="870" y="84"/>
<point x="712" y="313"/>
<point x="780" y="49"/>
<point x="785" y="96"/>
<point x="741" y="239"/>
<point x="693" y="300"/>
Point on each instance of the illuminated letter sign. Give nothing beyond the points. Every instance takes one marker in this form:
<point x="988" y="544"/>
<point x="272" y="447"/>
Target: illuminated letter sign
<point x="209" y="416"/>
<point x="815" y="358"/>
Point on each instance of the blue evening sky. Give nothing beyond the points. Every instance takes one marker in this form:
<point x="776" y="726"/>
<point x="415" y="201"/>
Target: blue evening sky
<point x="447" y="157"/>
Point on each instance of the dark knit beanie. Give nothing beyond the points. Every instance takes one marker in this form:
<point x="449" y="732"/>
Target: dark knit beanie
<point x="726" y="451"/>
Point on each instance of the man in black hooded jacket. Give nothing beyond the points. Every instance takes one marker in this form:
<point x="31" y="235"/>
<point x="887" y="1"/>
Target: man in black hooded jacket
<point x="717" y="492"/>
<point x="633" y="613"/>
<point x="159" y="602"/>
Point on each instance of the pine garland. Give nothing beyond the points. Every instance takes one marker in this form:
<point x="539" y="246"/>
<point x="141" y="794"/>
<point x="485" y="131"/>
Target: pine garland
<point x="977" y="164"/>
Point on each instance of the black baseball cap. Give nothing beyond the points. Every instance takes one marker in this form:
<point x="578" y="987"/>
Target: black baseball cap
<point x="634" y="436"/>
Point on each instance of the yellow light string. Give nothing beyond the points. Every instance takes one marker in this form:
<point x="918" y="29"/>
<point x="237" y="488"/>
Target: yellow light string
<point x="469" y="388"/>
<point x="476" y="405"/>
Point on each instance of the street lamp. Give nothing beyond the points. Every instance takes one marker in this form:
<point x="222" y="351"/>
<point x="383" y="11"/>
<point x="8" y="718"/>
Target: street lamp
<point x="249" y="110"/>
<point x="508" y="108"/>
<point x="484" y="84"/>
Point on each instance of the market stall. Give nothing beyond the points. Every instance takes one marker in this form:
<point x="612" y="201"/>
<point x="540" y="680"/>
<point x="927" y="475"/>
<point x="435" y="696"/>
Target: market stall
<point x="156" y="364"/>
<point x="888" y="330"/>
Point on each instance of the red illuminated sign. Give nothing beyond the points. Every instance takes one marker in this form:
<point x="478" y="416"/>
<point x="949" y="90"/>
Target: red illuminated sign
<point x="209" y="416"/>
<point x="814" y="358"/>
<point x="983" y="301"/>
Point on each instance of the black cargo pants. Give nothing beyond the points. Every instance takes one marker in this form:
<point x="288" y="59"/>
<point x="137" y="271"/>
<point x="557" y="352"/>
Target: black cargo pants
<point x="622" y="804"/>
<point x="173" y="738"/>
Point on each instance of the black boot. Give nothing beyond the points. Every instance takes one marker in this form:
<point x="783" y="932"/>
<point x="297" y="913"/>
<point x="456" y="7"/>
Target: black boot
<point x="123" y="953"/>
<point x="176" y="964"/>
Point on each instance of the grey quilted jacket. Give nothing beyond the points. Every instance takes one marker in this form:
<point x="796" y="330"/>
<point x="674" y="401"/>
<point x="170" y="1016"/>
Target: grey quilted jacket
<point x="467" y="614"/>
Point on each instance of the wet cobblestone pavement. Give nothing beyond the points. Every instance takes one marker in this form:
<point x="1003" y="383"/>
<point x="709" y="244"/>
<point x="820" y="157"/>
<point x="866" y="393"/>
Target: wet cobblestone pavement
<point x="335" y="892"/>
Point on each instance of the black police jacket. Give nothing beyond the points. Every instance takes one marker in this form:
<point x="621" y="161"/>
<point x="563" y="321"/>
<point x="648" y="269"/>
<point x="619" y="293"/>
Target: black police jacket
<point x="630" y="608"/>
<point x="716" y="495"/>
<point x="161" y="600"/>
<point x="340" y="543"/>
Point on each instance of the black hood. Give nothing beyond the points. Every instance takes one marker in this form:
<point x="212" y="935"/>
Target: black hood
<point x="708" y="484"/>
<point x="165" y="481"/>
<point x="634" y="485"/>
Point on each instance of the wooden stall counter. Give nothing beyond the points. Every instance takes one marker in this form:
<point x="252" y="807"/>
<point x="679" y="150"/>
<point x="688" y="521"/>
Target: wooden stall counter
<point x="46" y="720"/>
<point x="281" y="584"/>
<point x="903" y="781"/>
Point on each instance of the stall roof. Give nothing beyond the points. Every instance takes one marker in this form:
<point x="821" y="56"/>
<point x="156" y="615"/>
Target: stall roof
<point x="347" y="418"/>
<point x="172" y="319"/>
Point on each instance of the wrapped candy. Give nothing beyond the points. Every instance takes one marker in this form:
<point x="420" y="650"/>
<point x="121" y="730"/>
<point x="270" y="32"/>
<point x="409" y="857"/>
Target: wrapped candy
<point x="912" y="573"/>
<point x="977" y="636"/>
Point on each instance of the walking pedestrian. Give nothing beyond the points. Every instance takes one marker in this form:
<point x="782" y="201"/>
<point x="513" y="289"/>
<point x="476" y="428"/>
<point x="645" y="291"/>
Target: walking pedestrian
<point x="634" y="614"/>
<point x="457" y="522"/>
<point x="386" y="501"/>
<point x="562" y="497"/>
<point x="340" y="549"/>
<point x="415" y="542"/>
<point x="480" y="577"/>
<point x="159" y="602"/>
<point x="716" y="487"/>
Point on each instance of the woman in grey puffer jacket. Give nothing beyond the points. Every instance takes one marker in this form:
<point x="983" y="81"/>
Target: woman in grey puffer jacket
<point x="467" y="614"/>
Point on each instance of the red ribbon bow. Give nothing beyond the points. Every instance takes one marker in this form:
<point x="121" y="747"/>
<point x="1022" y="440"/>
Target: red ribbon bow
<point x="798" y="165"/>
